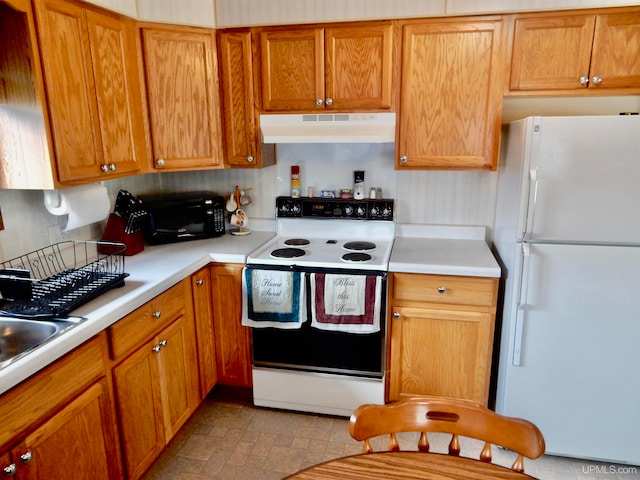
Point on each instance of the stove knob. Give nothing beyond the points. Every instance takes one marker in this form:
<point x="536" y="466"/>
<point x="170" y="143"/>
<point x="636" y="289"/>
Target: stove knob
<point x="360" y="211"/>
<point x="386" y="212"/>
<point x="284" y="208"/>
<point x="348" y="210"/>
<point x="374" y="212"/>
<point x="296" y="208"/>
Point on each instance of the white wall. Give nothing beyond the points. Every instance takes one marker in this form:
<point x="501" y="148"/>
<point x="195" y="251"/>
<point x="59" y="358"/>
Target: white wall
<point x="435" y="197"/>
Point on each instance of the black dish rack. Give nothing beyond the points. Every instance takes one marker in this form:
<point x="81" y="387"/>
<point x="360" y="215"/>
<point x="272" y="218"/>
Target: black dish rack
<point x="53" y="281"/>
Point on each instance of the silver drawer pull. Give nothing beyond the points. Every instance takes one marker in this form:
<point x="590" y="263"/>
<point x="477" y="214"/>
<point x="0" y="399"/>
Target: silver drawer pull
<point x="442" y="289"/>
<point x="157" y="314"/>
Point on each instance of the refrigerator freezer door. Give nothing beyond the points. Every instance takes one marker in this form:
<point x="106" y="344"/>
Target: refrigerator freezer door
<point x="578" y="379"/>
<point x="586" y="174"/>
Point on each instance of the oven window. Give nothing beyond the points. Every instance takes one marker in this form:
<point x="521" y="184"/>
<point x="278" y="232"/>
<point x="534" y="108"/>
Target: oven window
<point x="318" y="350"/>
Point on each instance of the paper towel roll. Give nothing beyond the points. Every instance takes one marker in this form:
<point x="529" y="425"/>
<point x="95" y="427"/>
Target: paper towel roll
<point x="84" y="204"/>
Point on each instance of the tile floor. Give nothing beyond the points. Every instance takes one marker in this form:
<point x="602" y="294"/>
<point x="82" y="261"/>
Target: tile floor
<point x="230" y="439"/>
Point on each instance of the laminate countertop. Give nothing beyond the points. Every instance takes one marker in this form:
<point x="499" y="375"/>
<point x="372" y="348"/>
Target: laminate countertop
<point x="443" y="250"/>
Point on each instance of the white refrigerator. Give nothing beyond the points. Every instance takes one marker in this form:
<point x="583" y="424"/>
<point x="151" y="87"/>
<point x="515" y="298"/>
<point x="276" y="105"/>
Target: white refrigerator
<point x="568" y="233"/>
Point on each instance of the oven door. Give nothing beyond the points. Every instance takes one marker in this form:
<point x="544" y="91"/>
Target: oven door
<point x="314" y="350"/>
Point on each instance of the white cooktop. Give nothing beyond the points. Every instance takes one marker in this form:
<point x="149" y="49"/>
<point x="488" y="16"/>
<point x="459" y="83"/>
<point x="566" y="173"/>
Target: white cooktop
<point x="327" y="239"/>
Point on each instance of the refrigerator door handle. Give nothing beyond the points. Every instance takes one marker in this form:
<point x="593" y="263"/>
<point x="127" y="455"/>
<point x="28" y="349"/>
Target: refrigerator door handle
<point x="533" y="198"/>
<point x="522" y="306"/>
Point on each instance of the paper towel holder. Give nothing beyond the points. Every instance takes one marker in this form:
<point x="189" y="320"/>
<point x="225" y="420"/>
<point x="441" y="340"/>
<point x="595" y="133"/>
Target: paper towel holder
<point x="52" y="199"/>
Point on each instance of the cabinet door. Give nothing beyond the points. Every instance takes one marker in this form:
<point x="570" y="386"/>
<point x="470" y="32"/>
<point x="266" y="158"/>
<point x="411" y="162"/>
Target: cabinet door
<point x="441" y="352"/>
<point x="54" y="447"/>
<point x="70" y="88"/>
<point x="178" y="379"/>
<point x="242" y="140"/>
<point x="616" y="50"/>
<point x="541" y="46"/>
<point x="451" y="98"/>
<point x="203" y="315"/>
<point x="117" y="83"/>
<point x="233" y="341"/>
<point x="140" y="409"/>
<point x="358" y="67"/>
<point x="292" y="69"/>
<point x="183" y="97"/>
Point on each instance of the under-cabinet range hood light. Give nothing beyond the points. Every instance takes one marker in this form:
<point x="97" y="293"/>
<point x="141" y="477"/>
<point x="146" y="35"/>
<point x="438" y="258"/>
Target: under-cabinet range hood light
<point x="328" y="128"/>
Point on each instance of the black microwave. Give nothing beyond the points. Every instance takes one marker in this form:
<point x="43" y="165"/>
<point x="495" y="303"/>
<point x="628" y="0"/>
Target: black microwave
<point x="176" y="217"/>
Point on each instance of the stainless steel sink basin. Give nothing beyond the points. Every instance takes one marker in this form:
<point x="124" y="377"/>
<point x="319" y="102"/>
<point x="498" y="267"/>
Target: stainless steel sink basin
<point x="20" y="336"/>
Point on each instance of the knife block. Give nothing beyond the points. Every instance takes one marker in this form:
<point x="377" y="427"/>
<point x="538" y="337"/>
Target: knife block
<point x="114" y="232"/>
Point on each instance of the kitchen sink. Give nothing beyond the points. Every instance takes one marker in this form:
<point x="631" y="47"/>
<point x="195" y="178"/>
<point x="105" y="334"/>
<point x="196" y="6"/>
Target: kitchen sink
<point x="20" y="336"/>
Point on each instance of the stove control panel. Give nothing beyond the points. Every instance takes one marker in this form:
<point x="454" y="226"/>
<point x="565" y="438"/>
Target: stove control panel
<point x="305" y="207"/>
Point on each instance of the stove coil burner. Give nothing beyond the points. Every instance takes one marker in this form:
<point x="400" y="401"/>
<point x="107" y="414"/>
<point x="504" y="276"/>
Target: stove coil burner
<point x="359" y="246"/>
<point x="297" y="242"/>
<point x="356" y="257"/>
<point x="287" y="253"/>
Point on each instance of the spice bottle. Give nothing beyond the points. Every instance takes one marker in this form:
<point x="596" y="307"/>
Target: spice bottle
<point x="295" y="181"/>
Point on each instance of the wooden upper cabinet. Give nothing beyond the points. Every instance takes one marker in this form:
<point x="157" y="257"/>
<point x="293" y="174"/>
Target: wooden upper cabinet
<point x="243" y="145"/>
<point x="358" y="67"/>
<point x="93" y="91"/>
<point x="338" y="68"/>
<point x="575" y="53"/>
<point x="183" y="98"/>
<point x="451" y="95"/>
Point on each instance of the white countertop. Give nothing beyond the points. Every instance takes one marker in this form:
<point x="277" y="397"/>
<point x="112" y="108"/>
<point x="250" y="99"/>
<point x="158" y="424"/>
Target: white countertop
<point x="443" y="250"/>
<point x="416" y="249"/>
<point x="151" y="273"/>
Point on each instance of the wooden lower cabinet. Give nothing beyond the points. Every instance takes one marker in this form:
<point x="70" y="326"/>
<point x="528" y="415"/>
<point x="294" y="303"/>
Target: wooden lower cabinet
<point x="69" y="432"/>
<point x="203" y="314"/>
<point x="74" y="444"/>
<point x="441" y="335"/>
<point x="233" y="341"/>
<point x="156" y="385"/>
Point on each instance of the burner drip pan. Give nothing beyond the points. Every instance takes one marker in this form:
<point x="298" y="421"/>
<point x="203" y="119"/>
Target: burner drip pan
<point x="288" y="253"/>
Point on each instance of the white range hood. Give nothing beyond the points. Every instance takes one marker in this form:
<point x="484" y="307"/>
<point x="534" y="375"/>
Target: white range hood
<point x="328" y="128"/>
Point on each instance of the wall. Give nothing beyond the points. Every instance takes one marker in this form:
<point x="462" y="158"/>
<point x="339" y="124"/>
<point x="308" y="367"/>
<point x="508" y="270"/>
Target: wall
<point x="457" y="198"/>
<point x="232" y="13"/>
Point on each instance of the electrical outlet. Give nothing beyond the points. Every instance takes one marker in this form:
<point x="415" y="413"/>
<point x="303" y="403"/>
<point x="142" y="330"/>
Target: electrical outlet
<point x="55" y="234"/>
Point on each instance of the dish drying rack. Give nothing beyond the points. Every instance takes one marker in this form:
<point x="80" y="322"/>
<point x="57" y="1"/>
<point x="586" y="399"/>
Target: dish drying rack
<point x="53" y="281"/>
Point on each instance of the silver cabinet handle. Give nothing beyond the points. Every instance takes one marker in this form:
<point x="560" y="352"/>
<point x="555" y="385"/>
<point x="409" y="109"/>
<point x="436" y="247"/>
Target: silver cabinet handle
<point x="163" y="343"/>
<point x="584" y="80"/>
<point x="160" y="162"/>
<point x="319" y="101"/>
<point x="403" y="159"/>
<point x="597" y="80"/>
<point x="26" y="457"/>
<point x="157" y="314"/>
<point x="199" y="282"/>
<point x="156" y="349"/>
<point x="328" y="101"/>
<point x="396" y="315"/>
<point x="104" y="167"/>
<point x="442" y="290"/>
<point x="10" y="470"/>
<point x="250" y="158"/>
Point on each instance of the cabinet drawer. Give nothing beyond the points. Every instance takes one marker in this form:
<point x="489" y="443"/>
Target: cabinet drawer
<point x="147" y="320"/>
<point x="413" y="287"/>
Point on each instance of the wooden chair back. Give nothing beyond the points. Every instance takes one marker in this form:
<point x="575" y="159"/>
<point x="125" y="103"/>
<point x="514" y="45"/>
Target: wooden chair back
<point x="447" y="415"/>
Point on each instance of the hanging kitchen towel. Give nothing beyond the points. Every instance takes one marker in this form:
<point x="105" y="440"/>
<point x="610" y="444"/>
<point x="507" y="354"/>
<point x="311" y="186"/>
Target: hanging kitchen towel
<point x="346" y="303"/>
<point x="272" y="298"/>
